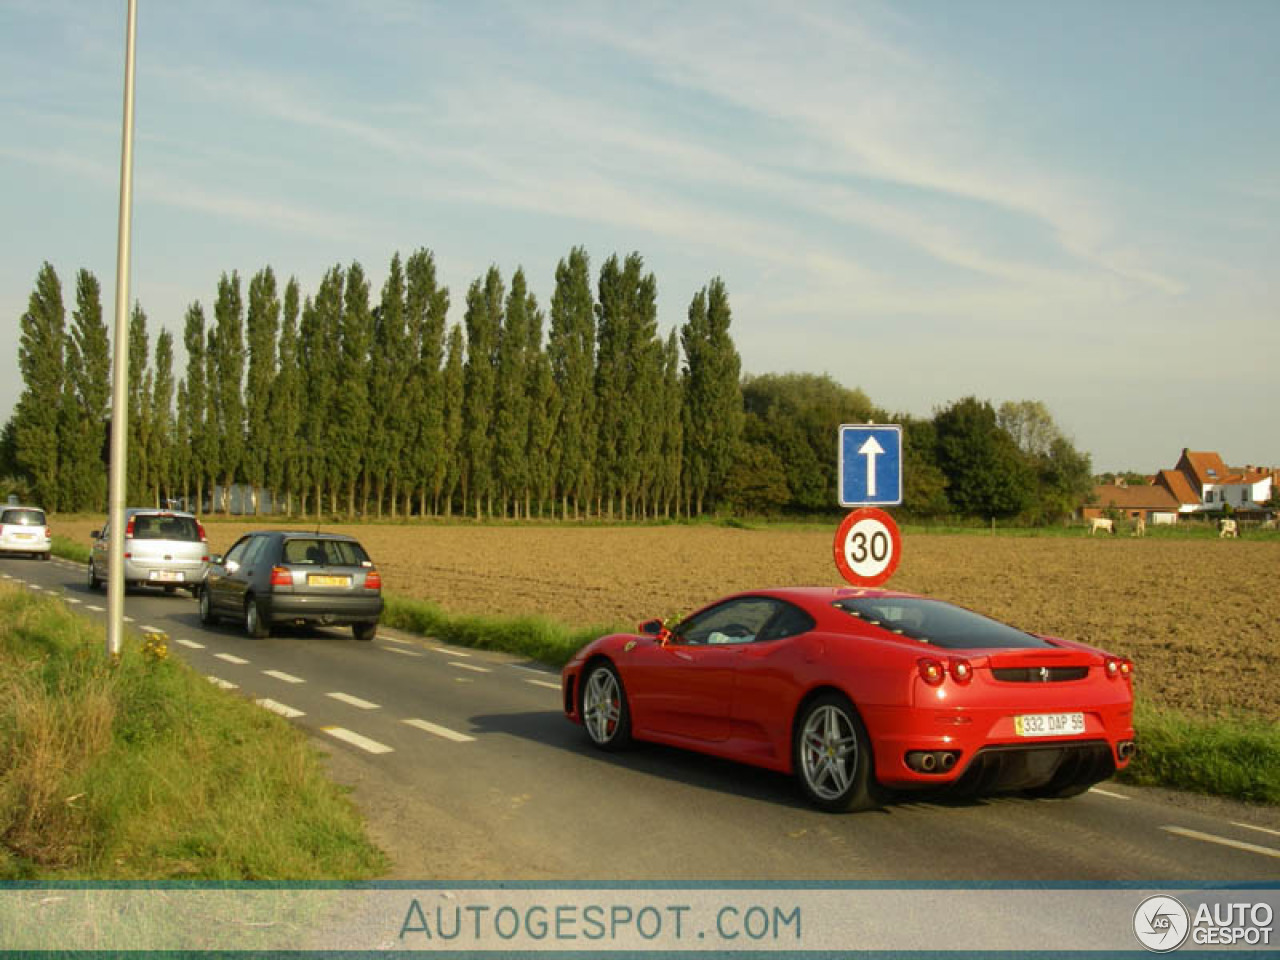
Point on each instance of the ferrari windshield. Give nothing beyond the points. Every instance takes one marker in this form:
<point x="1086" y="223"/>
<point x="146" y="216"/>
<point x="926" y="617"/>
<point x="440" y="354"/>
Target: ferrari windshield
<point x="937" y="623"/>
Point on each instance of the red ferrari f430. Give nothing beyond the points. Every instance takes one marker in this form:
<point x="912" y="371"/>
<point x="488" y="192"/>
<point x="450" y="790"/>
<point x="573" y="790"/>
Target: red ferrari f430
<point x="860" y="693"/>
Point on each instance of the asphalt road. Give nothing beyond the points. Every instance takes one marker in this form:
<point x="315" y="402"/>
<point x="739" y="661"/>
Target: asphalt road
<point x="467" y="770"/>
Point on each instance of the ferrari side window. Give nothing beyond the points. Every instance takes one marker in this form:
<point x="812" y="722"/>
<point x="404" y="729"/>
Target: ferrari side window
<point x="735" y="622"/>
<point x="789" y="621"/>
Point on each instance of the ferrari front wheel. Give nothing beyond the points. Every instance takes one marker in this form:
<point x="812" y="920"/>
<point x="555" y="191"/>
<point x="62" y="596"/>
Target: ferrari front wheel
<point x="832" y="756"/>
<point x="605" y="714"/>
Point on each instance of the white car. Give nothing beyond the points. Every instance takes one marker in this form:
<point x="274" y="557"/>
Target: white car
<point x="162" y="548"/>
<point x="24" y="530"/>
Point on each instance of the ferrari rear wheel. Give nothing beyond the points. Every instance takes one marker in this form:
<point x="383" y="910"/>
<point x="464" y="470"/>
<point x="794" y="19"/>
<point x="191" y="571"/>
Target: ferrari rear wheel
<point x="832" y="756"/>
<point x="605" y="714"/>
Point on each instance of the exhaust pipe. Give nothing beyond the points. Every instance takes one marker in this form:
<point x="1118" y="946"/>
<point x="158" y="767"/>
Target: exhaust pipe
<point x="948" y="760"/>
<point x="1126" y="749"/>
<point x="927" y="762"/>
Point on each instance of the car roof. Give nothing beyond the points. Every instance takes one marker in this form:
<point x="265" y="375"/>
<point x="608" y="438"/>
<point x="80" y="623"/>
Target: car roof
<point x="809" y="597"/>
<point x="301" y="534"/>
<point x="157" y="512"/>
<point x="20" y="506"/>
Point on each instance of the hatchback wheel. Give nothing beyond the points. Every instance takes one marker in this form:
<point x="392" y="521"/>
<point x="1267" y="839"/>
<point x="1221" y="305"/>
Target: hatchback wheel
<point x="94" y="580"/>
<point x="254" y="624"/>
<point x="364" y="631"/>
<point x="831" y="755"/>
<point x="605" y="714"/>
<point x="207" y="616"/>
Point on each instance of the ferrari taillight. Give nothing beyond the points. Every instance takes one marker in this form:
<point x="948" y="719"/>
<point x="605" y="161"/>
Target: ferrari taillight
<point x="932" y="671"/>
<point x="961" y="670"/>
<point x="1117" y="667"/>
<point x="281" y="577"/>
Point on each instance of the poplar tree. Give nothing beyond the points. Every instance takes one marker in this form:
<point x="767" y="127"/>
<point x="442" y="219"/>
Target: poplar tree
<point x="89" y="376"/>
<point x="426" y="307"/>
<point x="285" y="468"/>
<point x="571" y="351"/>
<point x="319" y="357"/>
<point x="544" y="411"/>
<point x="483" y="319"/>
<point x="262" y="325"/>
<point x="671" y="447"/>
<point x="511" y="401"/>
<point x="160" y="414"/>
<point x="453" y="403"/>
<point x="138" y="464"/>
<point x="227" y="355"/>
<point x="391" y="365"/>
<point x="713" y="394"/>
<point x="352" y="424"/>
<point x="196" y="391"/>
<point x="41" y="361"/>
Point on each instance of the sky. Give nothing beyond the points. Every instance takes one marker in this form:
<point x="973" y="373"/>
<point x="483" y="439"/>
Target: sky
<point x="1077" y="203"/>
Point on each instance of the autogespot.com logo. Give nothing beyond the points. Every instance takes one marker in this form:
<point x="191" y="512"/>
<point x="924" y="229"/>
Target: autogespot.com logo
<point x="1161" y="924"/>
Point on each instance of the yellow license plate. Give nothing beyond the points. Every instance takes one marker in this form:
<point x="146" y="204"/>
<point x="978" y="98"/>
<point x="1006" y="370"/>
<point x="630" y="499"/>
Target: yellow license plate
<point x="1049" y="724"/>
<point x="325" y="580"/>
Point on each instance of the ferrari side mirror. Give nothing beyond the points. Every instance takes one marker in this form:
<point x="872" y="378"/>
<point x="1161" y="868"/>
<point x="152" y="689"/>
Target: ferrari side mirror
<point x="651" y="628"/>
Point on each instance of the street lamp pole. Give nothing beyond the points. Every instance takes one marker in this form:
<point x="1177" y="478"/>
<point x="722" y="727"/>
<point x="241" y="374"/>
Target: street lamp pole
<point x="120" y="374"/>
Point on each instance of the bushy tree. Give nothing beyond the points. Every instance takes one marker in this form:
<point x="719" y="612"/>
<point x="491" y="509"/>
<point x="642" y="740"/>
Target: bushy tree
<point x="986" y="473"/>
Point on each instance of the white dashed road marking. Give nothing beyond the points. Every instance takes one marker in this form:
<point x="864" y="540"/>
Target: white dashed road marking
<point x="544" y="683"/>
<point x="364" y="743"/>
<point x="219" y="682"/>
<point x="403" y="653"/>
<point x="281" y="675"/>
<point x="1108" y="793"/>
<point x="129" y="620"/>
<point x="470" y="666"/>
<point x="73" y="600"/>
<point x="150" y="629"/>
<point x="353" y="701"/>
<point x="188" y="643"/>
<point x="231" y="658"/>
<point x="92" y="607"/>
<point x="289" y="713"/>
<point x="1250" y="826"/>
<point x="439" y="731"/>
<point x="450" y="653"/>
<point x="1223" y="841"/>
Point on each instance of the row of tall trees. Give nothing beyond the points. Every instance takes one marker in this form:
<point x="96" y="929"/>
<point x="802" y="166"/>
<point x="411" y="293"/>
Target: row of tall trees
<point x="335" y="403"/>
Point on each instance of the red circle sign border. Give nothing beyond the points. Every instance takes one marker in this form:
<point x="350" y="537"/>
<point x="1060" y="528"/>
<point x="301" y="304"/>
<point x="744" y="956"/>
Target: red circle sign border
<point x="867" y="513"/>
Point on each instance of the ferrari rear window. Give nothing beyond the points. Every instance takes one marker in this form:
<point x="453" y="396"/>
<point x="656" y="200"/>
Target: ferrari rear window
<point x="937" y="623"/>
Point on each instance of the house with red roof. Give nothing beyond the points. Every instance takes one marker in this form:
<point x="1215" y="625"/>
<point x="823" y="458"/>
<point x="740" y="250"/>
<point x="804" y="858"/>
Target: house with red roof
<point x="1199" y="483"/>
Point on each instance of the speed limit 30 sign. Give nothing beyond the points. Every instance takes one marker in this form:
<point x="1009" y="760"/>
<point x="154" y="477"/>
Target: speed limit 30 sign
<point x="868" y="547"/>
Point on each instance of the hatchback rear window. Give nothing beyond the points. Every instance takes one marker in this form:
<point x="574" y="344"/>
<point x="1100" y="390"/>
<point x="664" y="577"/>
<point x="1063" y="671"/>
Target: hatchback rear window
<point x="938" y="623"/>
<point x="160" y="527"/>
<point x="23" y="518"/>
<point x="338" y="553"/>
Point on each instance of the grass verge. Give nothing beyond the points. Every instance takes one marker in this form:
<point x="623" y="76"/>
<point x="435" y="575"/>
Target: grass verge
<point x="143" y="770"/>
<point x="1237" y="757"/>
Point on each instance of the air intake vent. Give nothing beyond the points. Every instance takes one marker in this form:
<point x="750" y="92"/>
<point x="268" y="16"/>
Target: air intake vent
<point x="1039" y="674"/>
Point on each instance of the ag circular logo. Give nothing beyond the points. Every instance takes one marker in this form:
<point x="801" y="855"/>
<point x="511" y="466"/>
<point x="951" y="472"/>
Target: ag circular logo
<point x="1161" y="924"/>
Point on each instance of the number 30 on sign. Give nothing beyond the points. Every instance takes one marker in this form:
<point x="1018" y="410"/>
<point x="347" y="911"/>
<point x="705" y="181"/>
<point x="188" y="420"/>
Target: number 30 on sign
<point x="868" y="547"/>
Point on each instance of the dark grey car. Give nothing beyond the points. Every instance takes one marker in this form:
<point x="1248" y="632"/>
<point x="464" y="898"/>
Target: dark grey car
<point x="275" y="577"/>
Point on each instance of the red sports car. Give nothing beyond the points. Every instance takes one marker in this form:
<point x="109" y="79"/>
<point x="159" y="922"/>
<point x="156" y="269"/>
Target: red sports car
<point x="859" y="691"/>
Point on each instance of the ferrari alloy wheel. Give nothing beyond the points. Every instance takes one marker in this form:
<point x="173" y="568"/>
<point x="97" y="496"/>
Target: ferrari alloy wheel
<point x="604" y="708"/>
<point x="832" y="756"/>
<point x="254" y="625"/>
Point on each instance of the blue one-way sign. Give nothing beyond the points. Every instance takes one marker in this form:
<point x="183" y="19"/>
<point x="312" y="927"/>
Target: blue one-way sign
<point x="870" y="465"/>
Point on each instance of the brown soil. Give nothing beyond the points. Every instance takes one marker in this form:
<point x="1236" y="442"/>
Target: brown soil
<point x="1200" y="618"/>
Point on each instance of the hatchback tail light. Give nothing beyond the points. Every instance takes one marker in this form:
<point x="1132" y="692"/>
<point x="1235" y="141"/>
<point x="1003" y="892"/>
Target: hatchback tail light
<point x="373" y="580"/>
<point x="281" y="577"/>
<point x="128" y="528"/>
<point x="932" y="671"/>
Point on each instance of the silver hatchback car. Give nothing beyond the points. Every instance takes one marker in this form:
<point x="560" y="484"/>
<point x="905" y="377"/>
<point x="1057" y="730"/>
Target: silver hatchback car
<point x="162" y="548"/>
<point x="24" y="530"/>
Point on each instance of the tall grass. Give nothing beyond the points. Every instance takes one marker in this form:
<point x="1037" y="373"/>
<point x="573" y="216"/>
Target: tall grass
<point x="1236" y="757"/>
<point x="142" y="769"/>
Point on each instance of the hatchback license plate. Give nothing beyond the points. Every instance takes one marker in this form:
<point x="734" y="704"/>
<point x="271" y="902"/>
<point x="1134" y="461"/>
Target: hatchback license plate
<point x="168" y="576"/>
<point x="326" y="580"/>
<point x="1049" y="724"/>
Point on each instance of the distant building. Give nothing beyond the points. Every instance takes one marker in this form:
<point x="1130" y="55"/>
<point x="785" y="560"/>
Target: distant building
<point x="1200" y="483"/>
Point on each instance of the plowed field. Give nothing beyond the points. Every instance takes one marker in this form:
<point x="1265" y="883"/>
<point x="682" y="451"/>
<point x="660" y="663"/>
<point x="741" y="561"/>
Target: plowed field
<point x="1200" y="618"/>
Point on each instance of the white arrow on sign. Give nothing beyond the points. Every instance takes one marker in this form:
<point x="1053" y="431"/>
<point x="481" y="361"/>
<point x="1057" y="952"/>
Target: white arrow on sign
<point x="871" y="449"/>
